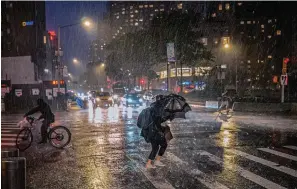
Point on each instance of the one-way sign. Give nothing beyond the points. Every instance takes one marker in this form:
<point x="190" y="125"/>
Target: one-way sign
<point x="284" y="80"/>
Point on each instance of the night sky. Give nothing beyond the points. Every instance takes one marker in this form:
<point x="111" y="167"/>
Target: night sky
<point x="75" y="40"/>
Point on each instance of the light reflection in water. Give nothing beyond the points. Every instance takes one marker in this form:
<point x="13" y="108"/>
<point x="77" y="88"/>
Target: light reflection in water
<point x="113" y="114"/>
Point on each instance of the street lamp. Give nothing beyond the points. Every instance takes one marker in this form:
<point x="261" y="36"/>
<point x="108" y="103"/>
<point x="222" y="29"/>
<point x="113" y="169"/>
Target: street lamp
<point x="75" y="60"/>
<point x="59" y="52"/>
<point x="226" y="46"/>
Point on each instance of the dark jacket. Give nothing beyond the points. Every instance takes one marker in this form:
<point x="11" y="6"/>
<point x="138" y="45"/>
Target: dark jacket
<point x="45" y="110"/>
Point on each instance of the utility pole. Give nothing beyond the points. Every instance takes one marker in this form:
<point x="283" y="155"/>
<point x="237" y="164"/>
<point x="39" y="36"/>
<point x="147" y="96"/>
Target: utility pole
<point x="168" y="76"/>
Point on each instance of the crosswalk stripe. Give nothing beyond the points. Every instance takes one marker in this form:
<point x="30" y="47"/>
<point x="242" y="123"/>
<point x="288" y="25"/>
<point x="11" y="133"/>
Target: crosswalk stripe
<point x="157" y="183"/>
<point x="242" y="172"/>
<point x="7" y="143"/>
<point x="270" y="164"/>
<point x="9" y="128"/>
<point x="9" y="135"/>
<point x="199" y="175"/>
<point x="291" y="147"/>
<point x="287" y="156"/>
<point x="8" y="139"/>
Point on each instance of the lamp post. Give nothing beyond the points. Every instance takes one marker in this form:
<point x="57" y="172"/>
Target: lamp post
<point x="59" y="52"/>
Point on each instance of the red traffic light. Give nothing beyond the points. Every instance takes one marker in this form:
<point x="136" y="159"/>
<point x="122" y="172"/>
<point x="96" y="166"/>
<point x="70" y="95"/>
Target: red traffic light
<point x="142" y="81"/>
<point x="286" y="60"/>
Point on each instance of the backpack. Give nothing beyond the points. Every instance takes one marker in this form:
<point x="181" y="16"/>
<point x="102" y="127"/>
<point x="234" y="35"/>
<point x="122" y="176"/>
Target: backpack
<point x="146" y="123"/>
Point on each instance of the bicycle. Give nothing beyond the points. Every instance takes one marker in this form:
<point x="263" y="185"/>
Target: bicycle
<point x="24" y="138"/>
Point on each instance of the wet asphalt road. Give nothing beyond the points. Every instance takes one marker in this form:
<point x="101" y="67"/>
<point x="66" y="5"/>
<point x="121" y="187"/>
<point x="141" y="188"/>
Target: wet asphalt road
<point x="244" y="151"/>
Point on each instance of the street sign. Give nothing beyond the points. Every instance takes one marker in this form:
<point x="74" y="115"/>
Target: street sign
<point x="35" y="91"/>
<point x="18" y="92"/>
<point x="284" y="80"/>
<point x="170" y="52"/>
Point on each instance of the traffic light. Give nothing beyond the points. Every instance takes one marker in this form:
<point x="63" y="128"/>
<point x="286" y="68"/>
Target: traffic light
<point x="286" y="60"/>
<point x="142" y="81"/>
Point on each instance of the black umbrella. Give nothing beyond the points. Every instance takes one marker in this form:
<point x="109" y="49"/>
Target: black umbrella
<point x="175" y="103"/>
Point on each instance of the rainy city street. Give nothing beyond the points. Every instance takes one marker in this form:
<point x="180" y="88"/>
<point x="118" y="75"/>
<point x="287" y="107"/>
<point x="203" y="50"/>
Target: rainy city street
<point x="208" y="151"/>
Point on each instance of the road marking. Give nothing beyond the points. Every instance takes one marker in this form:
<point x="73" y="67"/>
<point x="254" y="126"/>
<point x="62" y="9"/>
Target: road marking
<point x="9" y="135"/>
<point x="6" y="131"/>
<point x="242" y="172"/>
<point x="7" y="143"/>
<point x="287" y="156"/>
<point x="159" y="184"/>
<point x="197" y="174"/>
<point x="8" y="139"/>
<point x="291" y="147"/>
<point x="267" y="163"/>
<point x="9" y="128"/>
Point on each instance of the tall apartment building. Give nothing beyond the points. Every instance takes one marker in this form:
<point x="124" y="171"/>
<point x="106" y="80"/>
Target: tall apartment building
<point x="22" y="31"/>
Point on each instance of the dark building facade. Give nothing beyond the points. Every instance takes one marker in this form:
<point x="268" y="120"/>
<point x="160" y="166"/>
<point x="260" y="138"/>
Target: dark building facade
<point x="22" y="31"/>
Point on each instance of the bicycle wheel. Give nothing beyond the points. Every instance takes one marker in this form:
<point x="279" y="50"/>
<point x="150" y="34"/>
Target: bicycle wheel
<point x="24" y="139"/>
<point x="59" y="136"/>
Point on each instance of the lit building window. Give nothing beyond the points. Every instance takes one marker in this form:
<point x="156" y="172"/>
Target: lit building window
<point x="121" y="28"/>
<point x="262" y="31"/>
<point x="241" y="22"/>
<point x="118" y="17"/>
<point x="8" y="31"/>
<point x="136" y="23"/>
<point x="161" y="10"/>
<point x="254" y="22"/>
<point x="131" y="7"/>
<point x="249" y="61"/>
<point x="123" y="12"/>
<point x="278" y="32"/>
<point x="241" y="32"/>
<point x="113" y="37"/>
<point x="145" y="6"/>
<point x="131" y="20"/>
<point x="269" y="21"/>
<point x="239" y="4"/>
<point x="269" y="36"/>
<point x="126" y="20"/>
<point x="213" y="15"/>
<point x="151" y="14"/>
<point x="151" y="6"/>
<point x="220" y="7"/>
<point x="249" y="22"/>
<point x="131" y="24"/>
<point x="156" y="10"/>
<point x="118" y="31"/>
<point x="227" y="6"/>
<point x="131" y="12"/>
<point x="275" y="20"/>
<point x="131" y="15"/>
<point x="262" y="61"/>
<point x="269" y="56"/>
<point x="123" y="9"/>
<point x="141" y="19"/>
<point x="136" y="11"/>
<point x="140" y="6"/>
<point x="180" y="6"/>
<point x="262" y="25"/>
<point x="151" y="18"/>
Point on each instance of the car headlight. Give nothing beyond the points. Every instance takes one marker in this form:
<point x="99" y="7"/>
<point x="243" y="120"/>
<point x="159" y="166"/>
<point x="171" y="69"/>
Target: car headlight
<point x="115" y="96"/>
<point x="140" y="100"/>
<point x="129" y="100"/>
<point x="110" y="98"/>
<point x="98" y="99"/>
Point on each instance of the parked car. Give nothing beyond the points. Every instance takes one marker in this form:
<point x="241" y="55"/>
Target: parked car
<point x="132" y="100"/>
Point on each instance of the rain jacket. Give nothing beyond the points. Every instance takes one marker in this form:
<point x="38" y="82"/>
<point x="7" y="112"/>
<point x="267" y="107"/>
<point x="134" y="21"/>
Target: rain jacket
<point x="150" y="120"/>
<point x="44" y="109"/>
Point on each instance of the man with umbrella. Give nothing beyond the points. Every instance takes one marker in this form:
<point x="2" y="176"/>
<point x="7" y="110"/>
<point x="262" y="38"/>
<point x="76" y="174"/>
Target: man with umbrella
<point x="165" y="108"/>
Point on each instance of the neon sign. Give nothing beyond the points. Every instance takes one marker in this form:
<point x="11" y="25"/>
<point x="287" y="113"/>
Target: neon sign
<point x="29" y="23"/>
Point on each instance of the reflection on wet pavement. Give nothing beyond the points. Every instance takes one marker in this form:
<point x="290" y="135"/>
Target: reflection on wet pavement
<point x="108" y="152"/>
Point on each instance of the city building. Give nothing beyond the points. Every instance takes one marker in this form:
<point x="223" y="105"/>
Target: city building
<point x="22" y="31"/>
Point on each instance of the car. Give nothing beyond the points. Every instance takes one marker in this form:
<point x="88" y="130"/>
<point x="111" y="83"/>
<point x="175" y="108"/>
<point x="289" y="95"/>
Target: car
<point x="132" y="100"/>
<point x="103" y="99"/>
<point x="148" y="96"/>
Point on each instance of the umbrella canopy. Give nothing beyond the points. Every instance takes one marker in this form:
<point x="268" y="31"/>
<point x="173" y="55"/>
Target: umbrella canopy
<point x="175" y="103"/>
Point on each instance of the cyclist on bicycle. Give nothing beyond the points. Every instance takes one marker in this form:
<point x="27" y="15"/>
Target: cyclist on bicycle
<point x="46" y="114"/>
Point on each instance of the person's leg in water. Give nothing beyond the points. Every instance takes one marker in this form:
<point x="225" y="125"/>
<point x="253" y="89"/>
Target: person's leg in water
<point x="44" y="127"/>
<point x="155" y="149"/>
<point x="163" y="145"/>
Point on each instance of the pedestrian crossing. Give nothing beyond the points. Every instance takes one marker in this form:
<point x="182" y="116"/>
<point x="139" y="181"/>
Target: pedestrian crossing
<point x="9" y="131"/>
<point x="270" y="168"/>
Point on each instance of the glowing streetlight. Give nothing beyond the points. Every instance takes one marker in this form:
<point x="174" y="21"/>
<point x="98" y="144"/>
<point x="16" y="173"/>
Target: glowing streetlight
<point x="75" y="60"/>
<point x="87" y="23"/>
<point x="102" y="65"/>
